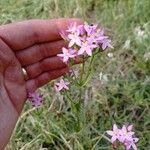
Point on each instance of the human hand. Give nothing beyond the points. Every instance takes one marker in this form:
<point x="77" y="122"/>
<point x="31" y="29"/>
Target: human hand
<point x="32" y="45"/>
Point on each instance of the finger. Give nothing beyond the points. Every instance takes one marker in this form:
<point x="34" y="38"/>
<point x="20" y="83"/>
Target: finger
<point x="27" y="33"/>
<point x="47" y="64"/>
<point x="39" y="51"/>
<point x="44" y="78"/>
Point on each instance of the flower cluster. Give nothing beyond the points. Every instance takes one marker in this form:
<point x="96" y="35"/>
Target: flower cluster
<point x="35" y="98"/>
<point x="83" y="40"/>
<point x="125" y="135"/>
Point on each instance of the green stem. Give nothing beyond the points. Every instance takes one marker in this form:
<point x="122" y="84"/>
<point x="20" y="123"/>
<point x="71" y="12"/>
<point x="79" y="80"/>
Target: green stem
<point x="75" y="107"/>
<point x="81" y="80"/>
<point x="89" y="70"/>
<point x="82" y="71"/>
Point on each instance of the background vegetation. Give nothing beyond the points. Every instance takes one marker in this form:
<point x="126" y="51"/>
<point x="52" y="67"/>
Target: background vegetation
<point x="119" y="91"/>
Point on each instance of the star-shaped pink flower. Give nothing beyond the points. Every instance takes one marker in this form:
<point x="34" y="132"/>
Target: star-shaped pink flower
<point x="130" y="127"/>
<point x="131" y="143"/>
<point x="61" y="85"/>
<point x="74" y="39"/>
<point x="106" y="43"/>
<point x="90" y="29"/>
<point x="114" y="133"/>
<point x="35" y="98"/>
<point x="81" y="29"/>
<point x="73" y="29"/>
<point x="125" y="134"/>
<point x="66" y="54"/>
<point x="87" y="47"/>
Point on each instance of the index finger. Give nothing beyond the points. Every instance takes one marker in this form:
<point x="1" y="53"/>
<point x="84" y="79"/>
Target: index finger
<point x="27" y="33"/>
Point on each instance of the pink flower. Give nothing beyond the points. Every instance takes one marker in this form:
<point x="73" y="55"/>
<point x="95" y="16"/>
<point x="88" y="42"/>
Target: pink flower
<point x="61" y="85"/>
<point x="114" y="133"/>
<point x="124" y="136"/>
<point x="81" y="29"/>
<point x="67" y="54"/>
<point x="90" y="29"/>
<point x="87" y="47"/>
<point x="73" y="29"/>
<point x="99" y="35"/>
<point x="84" y="39"/>
<point x="106" y="43"/>
<point x="35" y="98"/>
<point x="73" y="72"/>
<point x="130" y="127"/>
<point x="131" y="143"/>
<point x="74" y="39"/>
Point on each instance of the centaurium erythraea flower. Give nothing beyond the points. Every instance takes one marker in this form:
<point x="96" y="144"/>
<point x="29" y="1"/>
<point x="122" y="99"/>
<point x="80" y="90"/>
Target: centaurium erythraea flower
<point x="86" y="38"/>
<point x="35" y="98"/>
<point x="90" y="29"/>
<point x="73" y="72"/>
<point x="114" y="133"/>
<point x="106" y="43"/>
<point x="72" y="28"/>
<point x="74" y="39"/>
<point x="131" y="143"/>
<point x="125" y="135"/>
<point x="61" y="85"/>
<point x="66" y="54"/>
<point x="87" y="47"/>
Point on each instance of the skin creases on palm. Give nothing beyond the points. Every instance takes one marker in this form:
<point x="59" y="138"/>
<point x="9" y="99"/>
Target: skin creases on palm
<point x="12" y="83"/>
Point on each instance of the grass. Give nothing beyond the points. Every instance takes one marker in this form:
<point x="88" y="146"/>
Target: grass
<point x="119" y="91"/>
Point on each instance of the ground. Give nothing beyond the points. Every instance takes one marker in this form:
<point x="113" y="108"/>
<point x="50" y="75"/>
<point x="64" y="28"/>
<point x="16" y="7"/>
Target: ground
<point x="119" y="91"/>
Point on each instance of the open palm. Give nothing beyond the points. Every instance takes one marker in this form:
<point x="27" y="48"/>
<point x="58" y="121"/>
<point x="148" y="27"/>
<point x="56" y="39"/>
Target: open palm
<point x="32" y="45"/>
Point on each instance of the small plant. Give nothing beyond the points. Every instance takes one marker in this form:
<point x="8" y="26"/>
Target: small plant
<point x="85" y="42"/>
